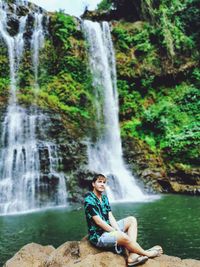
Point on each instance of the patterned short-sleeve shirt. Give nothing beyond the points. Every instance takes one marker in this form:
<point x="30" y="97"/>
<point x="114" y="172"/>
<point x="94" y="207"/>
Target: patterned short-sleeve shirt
<point x="93" y="206"/>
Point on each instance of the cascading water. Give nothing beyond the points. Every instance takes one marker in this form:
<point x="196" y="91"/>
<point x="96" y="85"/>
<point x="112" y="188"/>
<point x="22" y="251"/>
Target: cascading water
<point x="37" y="43"/>
<point x="105" y="156"/>
<point x="21" y="186"/>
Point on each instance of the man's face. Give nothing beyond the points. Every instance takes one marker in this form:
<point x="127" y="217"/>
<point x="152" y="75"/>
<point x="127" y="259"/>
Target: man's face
<point x="99" y="185"/>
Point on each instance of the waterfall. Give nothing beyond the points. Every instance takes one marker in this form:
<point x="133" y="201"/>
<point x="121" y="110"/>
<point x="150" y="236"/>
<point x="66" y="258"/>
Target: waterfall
<point x="37" y="43"/>
<point x="22" y="187"/>
<point x="105" y="156"/>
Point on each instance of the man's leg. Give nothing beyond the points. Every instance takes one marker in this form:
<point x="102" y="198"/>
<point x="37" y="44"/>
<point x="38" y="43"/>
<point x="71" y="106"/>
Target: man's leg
<point x="133" y="247"/>
<point x="130" y="227"/>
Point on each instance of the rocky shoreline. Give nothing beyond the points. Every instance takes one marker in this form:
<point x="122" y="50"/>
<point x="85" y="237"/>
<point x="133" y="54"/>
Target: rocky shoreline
<point x="82" y="254"/>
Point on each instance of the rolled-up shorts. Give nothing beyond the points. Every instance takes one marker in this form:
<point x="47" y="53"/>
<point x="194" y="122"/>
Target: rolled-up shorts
<point x="108" y="240"/>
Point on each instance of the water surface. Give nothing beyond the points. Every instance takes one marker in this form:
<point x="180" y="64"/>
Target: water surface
<point x="172" y="221"/>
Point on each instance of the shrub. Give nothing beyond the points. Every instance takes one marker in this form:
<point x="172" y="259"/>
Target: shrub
<point x="185" y="146"/>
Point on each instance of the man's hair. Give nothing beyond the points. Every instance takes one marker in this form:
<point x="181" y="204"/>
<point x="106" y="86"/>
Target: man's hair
<point x="97" y="176"/>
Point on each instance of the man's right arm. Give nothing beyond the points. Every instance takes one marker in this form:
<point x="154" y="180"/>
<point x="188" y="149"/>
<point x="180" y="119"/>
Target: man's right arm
<point x="105" y="226"/>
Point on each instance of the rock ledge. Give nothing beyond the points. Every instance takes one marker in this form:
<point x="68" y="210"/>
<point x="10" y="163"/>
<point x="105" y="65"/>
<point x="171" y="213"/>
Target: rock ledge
<point x="82" y="254"/>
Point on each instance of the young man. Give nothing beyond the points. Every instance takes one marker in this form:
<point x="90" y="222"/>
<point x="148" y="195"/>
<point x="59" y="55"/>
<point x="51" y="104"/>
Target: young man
<point x="105" y="232"/>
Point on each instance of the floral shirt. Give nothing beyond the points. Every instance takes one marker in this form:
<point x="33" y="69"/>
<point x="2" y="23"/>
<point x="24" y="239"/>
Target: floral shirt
<point x="93" y="206"/>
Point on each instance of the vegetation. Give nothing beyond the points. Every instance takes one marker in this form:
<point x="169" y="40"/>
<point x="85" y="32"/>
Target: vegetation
<point x="175" y="23"/>
<point x="104" y="5"/>
<point x="159" y="99"/>
<point x="64" y="79"/>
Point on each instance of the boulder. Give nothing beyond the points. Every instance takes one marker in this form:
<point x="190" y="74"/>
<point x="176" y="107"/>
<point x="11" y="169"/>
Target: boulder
<point x="83" y="254"/>
<point x="32" y="255"/>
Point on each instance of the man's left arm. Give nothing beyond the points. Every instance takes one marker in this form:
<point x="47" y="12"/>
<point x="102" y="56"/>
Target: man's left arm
<point x="113" y="221"/>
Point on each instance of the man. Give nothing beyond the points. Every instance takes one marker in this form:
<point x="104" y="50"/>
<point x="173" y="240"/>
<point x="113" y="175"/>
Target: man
<point x="105" y="232"/>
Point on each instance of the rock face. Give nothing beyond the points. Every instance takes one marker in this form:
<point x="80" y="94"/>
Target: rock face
<point x="82" y="254"/>
<point x="156" y="174"/>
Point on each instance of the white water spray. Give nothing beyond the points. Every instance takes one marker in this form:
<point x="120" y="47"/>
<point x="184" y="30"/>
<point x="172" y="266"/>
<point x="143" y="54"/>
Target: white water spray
<point x="105" y="156"/>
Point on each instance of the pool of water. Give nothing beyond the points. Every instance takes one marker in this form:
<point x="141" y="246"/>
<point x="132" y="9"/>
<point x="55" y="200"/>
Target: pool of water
<point x="172" y="221"/>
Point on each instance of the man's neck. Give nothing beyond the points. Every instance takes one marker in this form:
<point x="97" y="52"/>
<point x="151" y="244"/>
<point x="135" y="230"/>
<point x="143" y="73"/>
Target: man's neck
<point x="97" y="194"/>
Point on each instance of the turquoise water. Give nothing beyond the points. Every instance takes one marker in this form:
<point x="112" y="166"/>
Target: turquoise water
<point x="172" y="221"/>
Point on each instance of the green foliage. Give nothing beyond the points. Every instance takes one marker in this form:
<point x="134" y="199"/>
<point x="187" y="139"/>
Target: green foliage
<point x="147" y="81"/>
<point x="63" y="26"/>
<point x="52" y="101"/>
<point x="190" y="20"/>
<point x="171" y="20"/>
<point x="171" y="124"/>
<point x="162" y="118"/>
<point x="129" y="128"/>
<point x="63" y="76"/>
<point x="171" y="31"/>
<point x="123" y="38"/>
<point x="66" y="96"/>
<point x="68" y="90"/>
<point x="196" y="77"/>
<point x="75" y="66"/>
<point x="129" y="100"/>
<point x="141" y="39"/>
<point x="185" y="146"/>
<point x="4" y="64"/>
<point x="4" y="86"/>
<point x="26" y="97"/>
<point x="137" y="38"/>
<point x="104" y="5"/>
<point x="190" y="102"/>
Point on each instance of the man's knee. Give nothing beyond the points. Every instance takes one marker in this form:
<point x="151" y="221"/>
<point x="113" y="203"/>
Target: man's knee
<point x="123" y="239"/>
<point x="131" y="221"/>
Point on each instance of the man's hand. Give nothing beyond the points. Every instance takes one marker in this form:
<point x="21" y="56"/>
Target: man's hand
<point x="113" y="221"/>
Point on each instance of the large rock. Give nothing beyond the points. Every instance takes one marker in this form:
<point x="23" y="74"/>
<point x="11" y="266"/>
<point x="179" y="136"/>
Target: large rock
<point x="82" y="254"/>
<point x="32" y="255"/>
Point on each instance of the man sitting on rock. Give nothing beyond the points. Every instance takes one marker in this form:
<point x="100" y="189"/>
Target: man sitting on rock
<point x="105" y="232"/>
